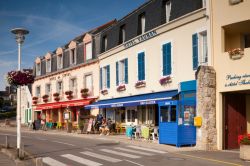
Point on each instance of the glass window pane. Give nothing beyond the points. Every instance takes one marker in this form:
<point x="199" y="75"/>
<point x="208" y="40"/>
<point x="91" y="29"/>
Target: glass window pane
<point x="173" y="113"/>
<point x="164" y="114"/>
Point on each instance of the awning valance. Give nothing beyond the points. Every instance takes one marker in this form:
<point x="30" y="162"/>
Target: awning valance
<point x="145" y="99"/>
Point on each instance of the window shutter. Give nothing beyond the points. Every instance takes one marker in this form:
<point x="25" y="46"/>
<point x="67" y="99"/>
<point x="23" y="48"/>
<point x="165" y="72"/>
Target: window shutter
<point x="101" y="78"/>
<point x="117" y="73"/>
<point x="195" y="51"/>
<point x="164" y="60"/>
<point x="108" y="76"/>
<point x="126" y="70"/>
<point x="139" y="66"/>
<point x="143" y="66"/>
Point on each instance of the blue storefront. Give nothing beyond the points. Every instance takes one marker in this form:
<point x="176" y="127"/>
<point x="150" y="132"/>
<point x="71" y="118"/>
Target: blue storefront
<point x="174" y="111"/>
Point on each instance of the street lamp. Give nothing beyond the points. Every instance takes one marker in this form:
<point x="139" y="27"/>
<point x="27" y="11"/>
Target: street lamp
<point x="19" y="33"/>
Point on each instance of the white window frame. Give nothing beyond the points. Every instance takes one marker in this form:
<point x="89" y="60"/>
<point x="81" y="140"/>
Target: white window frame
<point x="121" y="65"/>
<point x="202" y="58"/>
<point x="72" y="56"/>
<point x="38" y="66"/>
<point x="89" y="54"/>
<point x="73" y="88"/>
<point x="85" y="83"/>
<point x="168" y="10"/>
<point x="60" y="61"/>
<point x="48" y="65"/>
<point x="38" y="94"/>
<point x="104" y="77"/>
<point x="123" y="34"/>
<point x="60" y="91"/>
<point x="143" y="23"/>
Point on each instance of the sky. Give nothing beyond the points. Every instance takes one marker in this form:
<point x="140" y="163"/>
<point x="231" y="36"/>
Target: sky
<point x="52" y="23"/>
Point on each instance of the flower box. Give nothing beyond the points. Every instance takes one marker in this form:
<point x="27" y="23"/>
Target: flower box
<point x="165" y="80"/>
<point x="69" y="92"/>
<point x="104" y="91"/>
<point x="34" y="98"/>
<point x="45" y="96"/>
<point x="56" y="94"/>
<point x="20" y="78"/>
<point x="85" y="90"/>
<point x="69" y="97"/>
<point x="34" y="102"/>
<point x="140" y="84"/>
<point x="236" y="53"/>
<point x="234" y="2"/>
<point x="244" y="141"/>
<point x="121" y="88"/>
<point x="85" y="95"/>
<point x="57" y="98"/>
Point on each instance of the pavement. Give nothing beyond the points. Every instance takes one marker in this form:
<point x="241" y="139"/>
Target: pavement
<point x="48" y="145"/>
<point x="5" y="160"/>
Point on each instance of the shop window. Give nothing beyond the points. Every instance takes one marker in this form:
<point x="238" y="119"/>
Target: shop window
<point x="131" y="115"/>
<point x="168" y="114"/>
<point x="120" y="115"/>
<point x="110" y="114"/>
<point x="122" y="72"/>
<point x="88" y="48"/>
<point x="59" y="61"/>
<point x="247" y="40"/>
<point x="38" y="69"/>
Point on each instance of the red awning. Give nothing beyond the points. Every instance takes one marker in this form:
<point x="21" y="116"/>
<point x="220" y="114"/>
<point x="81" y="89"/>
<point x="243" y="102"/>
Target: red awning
<point x="63" y="104"/>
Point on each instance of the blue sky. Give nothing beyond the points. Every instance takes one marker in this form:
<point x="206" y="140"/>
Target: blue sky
<point x="51" y="23"/>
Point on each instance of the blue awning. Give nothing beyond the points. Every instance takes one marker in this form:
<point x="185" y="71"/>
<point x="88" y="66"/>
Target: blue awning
<point x="145" y="99"/>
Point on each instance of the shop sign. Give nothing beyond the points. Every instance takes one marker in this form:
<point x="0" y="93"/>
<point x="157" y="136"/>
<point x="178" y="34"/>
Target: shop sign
<point x="117" y="105"/>
<point x="140" y="39"/>
<point x="60" y="76"/>
<point x="237" y="80"/>
<point x="147" y="102"/>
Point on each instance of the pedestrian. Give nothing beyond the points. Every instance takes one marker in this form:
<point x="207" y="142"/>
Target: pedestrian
<point x="34" y="125"/>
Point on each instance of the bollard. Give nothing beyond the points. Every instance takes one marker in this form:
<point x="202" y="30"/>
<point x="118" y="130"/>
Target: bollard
<point x="7" y="145"/>
<point x="39" y="161"/>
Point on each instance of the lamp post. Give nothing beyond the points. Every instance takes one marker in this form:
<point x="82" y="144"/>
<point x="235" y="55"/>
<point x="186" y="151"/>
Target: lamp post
<point x="19" y="33"/>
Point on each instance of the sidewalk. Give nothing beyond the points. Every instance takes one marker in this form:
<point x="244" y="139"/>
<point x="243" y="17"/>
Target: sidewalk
<point x="5" y="160"/>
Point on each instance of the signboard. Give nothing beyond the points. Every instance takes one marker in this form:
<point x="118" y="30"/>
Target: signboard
<point x="66" y="115"/>
<point x="59" y="76"/>
<point x="237" y="80"/>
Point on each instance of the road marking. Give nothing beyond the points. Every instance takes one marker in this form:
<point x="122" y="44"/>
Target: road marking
<point x="63" y="143"/>
<point x="81" y="160"/>
<point x="102" y="157"/>
<point x="134" y="151"/>
<point x="120" y="153"/>
<point x="52" y="162"/>
<point x="146" y="149"/>
<point x="42" y="139"/>
<point x="134" y="162"/>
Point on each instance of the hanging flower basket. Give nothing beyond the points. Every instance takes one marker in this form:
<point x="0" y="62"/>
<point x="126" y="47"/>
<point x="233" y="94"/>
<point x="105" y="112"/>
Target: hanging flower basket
<point x="165" y="80"/>
<point x="56" y="94"/>
<point x="236" y="53"/>
<point x="20" y="78"/>
<point x="140" y="84"/>
<point x="104" y="91"/>
<point x="121" y="88"/>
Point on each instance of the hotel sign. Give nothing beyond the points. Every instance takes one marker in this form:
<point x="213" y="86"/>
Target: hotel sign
<point x="60" y="76"/>
<point x="140" y="39"/>
<point x="237" y="80"/>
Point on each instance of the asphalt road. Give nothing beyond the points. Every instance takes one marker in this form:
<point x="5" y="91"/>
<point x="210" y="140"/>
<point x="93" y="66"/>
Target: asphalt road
<point x="61" y="150"/>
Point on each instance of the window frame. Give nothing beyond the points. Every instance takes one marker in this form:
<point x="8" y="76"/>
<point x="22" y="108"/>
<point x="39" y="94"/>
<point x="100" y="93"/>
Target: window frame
<point x="91" y="51"/>
<point x="38" y="72"/>
<point x="48" y="61"/>
<point x="168" y="5"/>
<point x="85" y="82"/>
<point x="59" y="59"/>
<point x="72" y="56"/>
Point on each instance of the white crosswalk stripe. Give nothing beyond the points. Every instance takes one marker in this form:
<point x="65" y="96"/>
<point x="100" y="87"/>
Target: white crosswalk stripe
<point x="81" y="160"/>
<point x="102" y="157"/>
<point x="134" y="151"/>
<point x="146" y="149"/>
<point x="120" y="153"/>
<point x="52" y="162"/>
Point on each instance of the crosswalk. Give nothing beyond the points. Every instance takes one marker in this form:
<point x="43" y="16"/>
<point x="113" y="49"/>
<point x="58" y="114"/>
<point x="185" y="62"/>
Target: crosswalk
<point x="102" y="156"/>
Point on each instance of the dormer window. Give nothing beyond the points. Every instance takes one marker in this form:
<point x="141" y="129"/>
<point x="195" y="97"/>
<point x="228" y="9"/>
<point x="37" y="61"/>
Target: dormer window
<point x="88" y="48"/>
<point x="38" y="69"/>
<point x="48" y="65"/>
<point x="168" y="10"/>
<point x="122" y="34"/>
<point x="104" y="43"/>
<point x="73" y="56"/>
<point x="59" y="61"/>
<point x="141" y="23"/>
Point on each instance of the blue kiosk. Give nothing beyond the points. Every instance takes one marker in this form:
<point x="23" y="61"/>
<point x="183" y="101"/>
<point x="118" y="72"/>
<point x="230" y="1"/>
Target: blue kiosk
<point x="176" y="117"/>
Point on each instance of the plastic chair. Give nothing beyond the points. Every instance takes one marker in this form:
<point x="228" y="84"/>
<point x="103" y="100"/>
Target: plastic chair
<point x="154" y="134"/>
<point x="137" y="132"/>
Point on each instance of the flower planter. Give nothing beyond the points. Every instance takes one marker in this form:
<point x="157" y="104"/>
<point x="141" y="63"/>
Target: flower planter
<point x="45" y="100"/>
<point x="69" y="97"/>
<point x="20" y="78"/>
<point x="69" y="93"/>
<point x="104" y="92"/>
<point x="34" y="98"/>
<point x="34" y="102"/>
<point x="85" y="95"/>
<point x="56" y="94"/>
<point x="57" y="99"/>
<point x="121" y="88"/>
<point x="245" y="152"/>
<point x="236" y="53"/>
<point x="165" y="80"/>
<point x="236" y="56"/>
<point x="140" y="84"/>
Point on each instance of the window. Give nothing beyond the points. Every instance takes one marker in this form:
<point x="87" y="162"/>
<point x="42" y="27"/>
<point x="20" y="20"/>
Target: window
<point x="122" y="72"/>
<point x="105" y="77"/>
<point x="104" y="43"/>
<point x="141" y="66"/>
<point x="166" y="59"/>
<point x="247" y="40"/>
<point x="89" y="83"/>
<point x="73" y="56"/>
<point x="199" y="42"/>
<point x="122" y="34"/>
<point x="168" y="10"/>
<point x="168" y="113"/>
<point x="141" y="23"/>
<point x="38" y="69"/>
<point x="48" y="65"/>
<point x="131" y="115"/>
<point x="48" y="90"/>
<point x="59" y="61"/>
<point x="60" y="87"/>
<point x="88" y="47"/>
<point x="73" y="86"/>
<point x="38" y="91"/>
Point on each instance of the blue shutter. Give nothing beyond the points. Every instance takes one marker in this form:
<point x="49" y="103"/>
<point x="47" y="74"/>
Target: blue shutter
<point x="141" y="66"/>
<point x="101" y="78"/>
<point x="166" y="59"/>
<point x="126" y="70"/>
<point x="108" y="76"/>
<point x="117" y="73"/>
<point x="195" y="51"/>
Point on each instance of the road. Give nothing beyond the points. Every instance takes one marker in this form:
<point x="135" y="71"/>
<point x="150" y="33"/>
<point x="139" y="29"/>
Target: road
<point x="63" y="150"/>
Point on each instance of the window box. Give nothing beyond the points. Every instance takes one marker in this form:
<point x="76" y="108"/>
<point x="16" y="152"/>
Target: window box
<point x="69" y="93"/>
<point x="236" y="53"/>
<point x="57" y="98"/>
<point x="34" y="102"/>
<point x="121" y="88"/>
<point x="140" y="84"/>
<point x="56" y="94"/>
<point x="45" y="100"/>
<point x="45" y="97"/>
<point x="69" y="97"/>
<point x="34" y="98"/>
<point x="85" y="92"/>
<point x="165" y="80"/>
<point x="104" y="91"/>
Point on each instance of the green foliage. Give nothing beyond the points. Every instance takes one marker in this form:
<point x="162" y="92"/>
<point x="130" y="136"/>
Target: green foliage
<point x="245" y="141"/>
<point x="7" y="114"/>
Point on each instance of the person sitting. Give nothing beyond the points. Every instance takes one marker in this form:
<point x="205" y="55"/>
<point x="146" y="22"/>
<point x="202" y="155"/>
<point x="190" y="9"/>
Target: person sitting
<point x="109" y="126"/>
<point x="103" y="126"/>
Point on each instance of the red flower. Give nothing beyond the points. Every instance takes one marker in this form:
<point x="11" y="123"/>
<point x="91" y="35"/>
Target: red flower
<point x="20" y="78"/>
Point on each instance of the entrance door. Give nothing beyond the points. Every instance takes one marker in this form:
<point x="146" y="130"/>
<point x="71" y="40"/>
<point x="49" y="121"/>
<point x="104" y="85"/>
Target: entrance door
<point x="235" y="119"/>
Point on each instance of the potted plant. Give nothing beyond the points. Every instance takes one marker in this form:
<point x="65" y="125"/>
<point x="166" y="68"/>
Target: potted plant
<point x="34" y="98"/>
<point x="236" y="53"/>
<point x="244" y="141"/>
<point x="140" y="84"/>
<point x="121" y="87"/>
<point x="34" y="102"/>
<point x="20" y="78"/>
<point x="56" y="94"/>
<point x="84" y="92"/>
<point x="165" y="80"/>
<point x="104" y="91"/>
